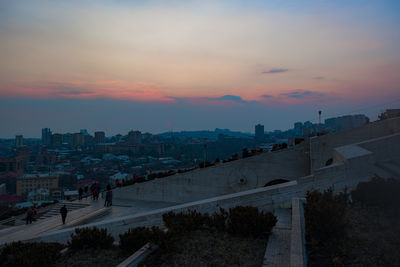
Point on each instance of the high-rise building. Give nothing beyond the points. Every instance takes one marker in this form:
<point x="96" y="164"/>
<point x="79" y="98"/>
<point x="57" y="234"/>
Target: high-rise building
<point x="46" y="136"/>
<point x="298" y="129"/>
<point x="84" y="132"/>
<point x="259" y="132"/>
<point x="99" y="137"/>
<point x="67" y="139"/>
<point x="134" y="137"/>
<point x="57" y="140"/>
<point x="78" y="139"/>
<point x="19" y="140"/>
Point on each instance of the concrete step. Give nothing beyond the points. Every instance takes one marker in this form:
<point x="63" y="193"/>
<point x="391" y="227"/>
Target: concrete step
<point x="54" y="223"/>
<point x="278" y="248"/>
<point x="55" y="211"/>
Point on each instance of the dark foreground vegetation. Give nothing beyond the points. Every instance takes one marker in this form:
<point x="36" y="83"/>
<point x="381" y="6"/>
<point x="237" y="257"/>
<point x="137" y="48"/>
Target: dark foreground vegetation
<point x="357" y="229"/>
<point x="237" y="237"/>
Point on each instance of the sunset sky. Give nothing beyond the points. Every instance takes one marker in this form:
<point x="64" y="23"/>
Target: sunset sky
<point x="122" y="65"/>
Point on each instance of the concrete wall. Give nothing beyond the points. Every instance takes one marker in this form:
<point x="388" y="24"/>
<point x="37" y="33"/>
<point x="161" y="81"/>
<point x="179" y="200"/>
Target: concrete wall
<point x="322" y="147"/>
<point x="227" y="178"/>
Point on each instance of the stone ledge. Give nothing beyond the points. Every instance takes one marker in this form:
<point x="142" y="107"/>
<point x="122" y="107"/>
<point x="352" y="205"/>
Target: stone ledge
<point x="297" y="244"/>
<point x="138" y="256"/>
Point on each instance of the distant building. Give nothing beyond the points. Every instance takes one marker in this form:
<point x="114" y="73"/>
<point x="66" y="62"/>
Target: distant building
<point x="30" y="182"/>
<point x="88" y="140"/>
<point x="298" y="129"/>
<point x="84" y="132"/>
<point x="57" y="140"/>
<point x="38" y="195"/>
<point x="390" y="113"/>
<point x="46" y="136"/>
<point x="78" y="139"/>
<point x="147" y="136"/>
<point x="99" y="137"/>
<point x="67" y="139"/>
<point x="134" y="137"/>
<point x="19" y="140"/>
<point x="259" y="132"/>
<point x="11" y="164"/>
<point x="345" y="122"/>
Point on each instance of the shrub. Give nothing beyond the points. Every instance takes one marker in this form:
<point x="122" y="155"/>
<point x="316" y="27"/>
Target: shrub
<point x="30" y="254"/>
<point x="377" y="192"/>
<point x="248" y="221"/>
<point x="219" y="220"/>
<point x="244" y="221"/>
<point x="326" y="220"/>
<point x="135" y="238"/>
<point x="90" y="238"/>
<point x="185" y="222"/>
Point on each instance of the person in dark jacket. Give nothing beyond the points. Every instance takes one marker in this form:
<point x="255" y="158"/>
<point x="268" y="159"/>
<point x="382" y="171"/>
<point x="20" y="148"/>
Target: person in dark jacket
<point x="108" y="201"/>
<point x="29" y="216"/>
<point x="63" y="212"/>
<point x="80" y="193"/>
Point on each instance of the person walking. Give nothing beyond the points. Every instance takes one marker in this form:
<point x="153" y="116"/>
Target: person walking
<point x="29" y="216"/>
<point x="86" y="190"/>
<point x="63" y="212"/>
<point x="108" y="201"/>
<point x="80" y="191"/>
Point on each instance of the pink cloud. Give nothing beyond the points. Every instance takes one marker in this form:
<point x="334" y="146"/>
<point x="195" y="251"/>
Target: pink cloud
<point x="112" y="89"/>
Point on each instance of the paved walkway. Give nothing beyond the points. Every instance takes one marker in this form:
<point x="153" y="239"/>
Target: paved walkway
<point x="94" y="212"/>
<point x="74" y="218"/>
<point x="278" y="248"/>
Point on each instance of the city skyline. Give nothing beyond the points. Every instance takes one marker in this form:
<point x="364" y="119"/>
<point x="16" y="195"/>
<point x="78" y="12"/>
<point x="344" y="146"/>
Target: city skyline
<point x="153" y="66"/>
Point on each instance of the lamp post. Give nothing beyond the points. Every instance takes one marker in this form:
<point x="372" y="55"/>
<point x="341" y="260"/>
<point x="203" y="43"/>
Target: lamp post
<point x="319" y="121"/>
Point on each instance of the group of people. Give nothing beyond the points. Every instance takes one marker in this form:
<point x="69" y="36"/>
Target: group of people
<point x="82" y="192"/>
<point x="94" y="189"/>
<point x="30" y="215"/>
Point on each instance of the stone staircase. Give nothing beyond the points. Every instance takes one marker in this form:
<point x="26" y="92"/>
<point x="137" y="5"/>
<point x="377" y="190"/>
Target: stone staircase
<point x="278" y="248"/>
<point x="287" y="241"/>
<point x="55" y="211"/>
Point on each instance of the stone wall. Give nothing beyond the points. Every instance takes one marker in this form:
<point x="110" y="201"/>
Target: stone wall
<point x="227" y="178"/>
<point x="322" y="147"/>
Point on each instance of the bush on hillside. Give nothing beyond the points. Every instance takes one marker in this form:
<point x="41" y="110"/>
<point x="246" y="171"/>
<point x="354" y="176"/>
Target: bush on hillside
<point x="244" y="221"/>
<point x="378" y="192"/>
<point x="249" y="221"/>
<point x="30" y="254"/>
<point x="137" y="237"/>
<point x="90" y="238"/>
<point x="326" y="221"/>
<point x="185" y="222"/>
